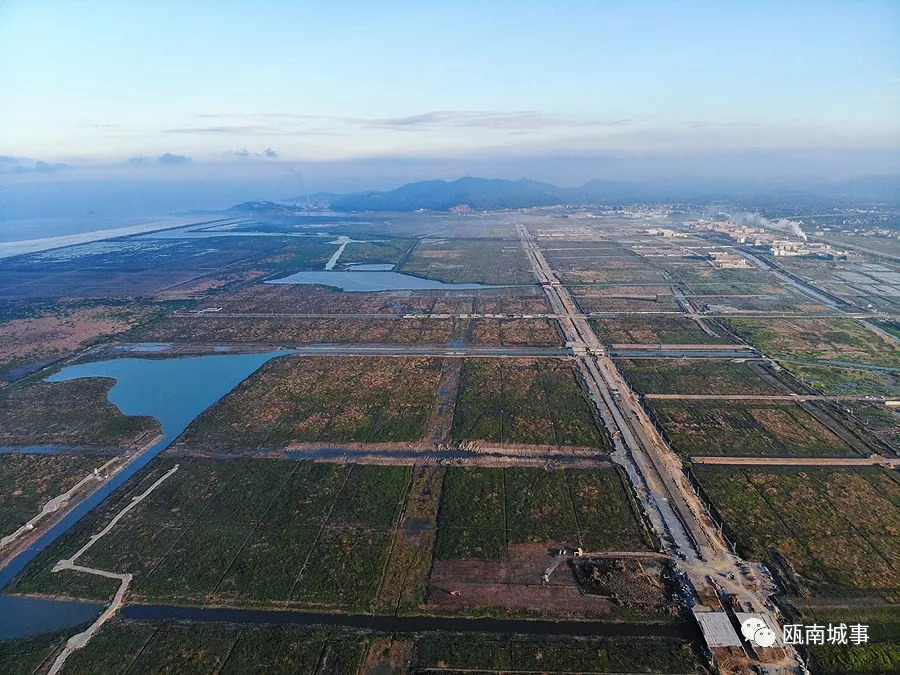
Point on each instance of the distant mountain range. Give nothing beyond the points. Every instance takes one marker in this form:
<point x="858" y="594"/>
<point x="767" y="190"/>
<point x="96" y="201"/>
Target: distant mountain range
<point x="484" y="194"/>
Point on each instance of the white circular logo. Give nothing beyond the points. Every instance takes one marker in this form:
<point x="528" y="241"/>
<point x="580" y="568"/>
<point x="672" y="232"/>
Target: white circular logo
<point x="750" y="626"/>
<point x="764" y="637"/>
<point x="756" y="631"/>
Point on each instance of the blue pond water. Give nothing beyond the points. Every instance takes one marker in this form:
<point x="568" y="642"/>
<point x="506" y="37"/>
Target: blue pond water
<point x="357" y="281"/>
<point x="22" y="617"/>
<point x="174" y="391"/>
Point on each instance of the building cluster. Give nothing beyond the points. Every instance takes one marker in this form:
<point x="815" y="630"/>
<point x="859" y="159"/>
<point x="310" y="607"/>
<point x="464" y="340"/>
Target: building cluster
<point x="759" y="238"/>
<point x="727" y="260"/>
<point x="785" y="247"/>
<point x="665" y="233"/>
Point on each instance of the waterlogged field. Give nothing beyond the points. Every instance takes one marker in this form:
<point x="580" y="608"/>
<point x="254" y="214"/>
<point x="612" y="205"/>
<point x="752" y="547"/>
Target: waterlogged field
<point x="838" y="380"/>
<point x="322" y="399"/>
<point x="527" y="401"/>
<point x="832" y="532"/>
<point x="746" y="429"/>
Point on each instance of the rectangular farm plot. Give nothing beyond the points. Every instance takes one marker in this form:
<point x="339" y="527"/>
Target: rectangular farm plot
<point x="500" y="531"/>
<point x="485" y="509"/>
<point x="608" y="517"/>
<point x="831" y="531"/>
<point x="839" y="380"/>
<point x="625" y="299"/>
<point x="344" y="569"/>
<point x="669" y="330"/>
<point x="520" y="654"/>
<point x="538" y="507"/>
<point x="826" y="339"/>
<point x="513" y="332"/>
<point x="698" y="376"/>
<point x="249" y="532"/>
<point x="466" y="261"/>
<point x="125" y="645"/>
<point x="321" y="399"/>
<point x="472" y="522"/>
<point x="527" y="401"/>
<point x="745" y="429"/>
<point x="298" y="330"/>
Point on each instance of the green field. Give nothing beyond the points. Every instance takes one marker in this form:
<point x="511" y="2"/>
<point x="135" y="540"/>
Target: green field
<point x="241" y="532"/>
<point x="831" y="531"/>
<point x="475" y="653"/>
<point x="179" y="647"/>
<point x="745" y="429"/>
<point x="841" y="381"/>
<point x="321" y="399"/>
<point x="696" y="376"/>
<point x="529" y="401"/>
<point x="831" y="339"/>
<point x="483" y="510"/>
<point x="654" y="330"/>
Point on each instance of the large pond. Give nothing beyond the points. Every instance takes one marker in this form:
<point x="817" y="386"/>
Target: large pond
<point x="174" y="391"/>
<point x="373" y="281"/>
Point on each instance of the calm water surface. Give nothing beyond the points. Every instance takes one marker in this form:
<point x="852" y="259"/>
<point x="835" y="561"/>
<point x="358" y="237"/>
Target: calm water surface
<point x="373" y="281"/>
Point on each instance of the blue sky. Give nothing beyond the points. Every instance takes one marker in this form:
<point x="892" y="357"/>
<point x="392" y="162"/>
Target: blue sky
<point x="98" y="83"/>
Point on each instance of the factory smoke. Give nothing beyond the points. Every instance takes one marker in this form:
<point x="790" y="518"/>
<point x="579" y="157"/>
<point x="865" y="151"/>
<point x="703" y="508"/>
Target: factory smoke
<point x="756" y="220"/>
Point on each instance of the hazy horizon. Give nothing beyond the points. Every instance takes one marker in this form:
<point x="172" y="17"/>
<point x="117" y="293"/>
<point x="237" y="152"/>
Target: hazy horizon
<point x="362" y="97"/>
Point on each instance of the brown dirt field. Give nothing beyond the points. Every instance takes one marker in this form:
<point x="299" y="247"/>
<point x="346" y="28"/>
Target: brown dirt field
<point x="66" y="332"/>
<point x="277" y="298"/>
<point x="387" y="656"/>
<point x="293" y="330"/>
<point x="513" y="585"/>
<point x="539" y="599"/>
<point x="199" y="288"/>
<point x="784" y="425"/>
